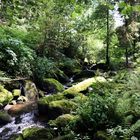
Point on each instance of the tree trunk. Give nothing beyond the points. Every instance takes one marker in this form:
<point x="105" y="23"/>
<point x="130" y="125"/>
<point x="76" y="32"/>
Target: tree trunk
<point x="107" y="40"/>
<point x="126" y="55"/>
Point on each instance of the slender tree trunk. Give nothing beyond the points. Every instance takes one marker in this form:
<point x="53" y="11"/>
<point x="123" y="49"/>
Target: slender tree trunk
<point x="126" y="55"/>
<point x="107" y="40"/>
<point x="127" y="43"/>
<point x="134" y="47"/>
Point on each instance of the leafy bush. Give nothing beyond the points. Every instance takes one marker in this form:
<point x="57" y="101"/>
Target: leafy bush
<point x="44" y="67"/>
<point x="96" y="113"/>
<point x="16" y="58"/>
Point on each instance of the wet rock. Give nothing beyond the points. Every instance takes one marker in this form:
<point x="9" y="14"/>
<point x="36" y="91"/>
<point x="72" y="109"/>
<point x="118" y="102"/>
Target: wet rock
<point x="84" y="74"/>
<point x="56" y="108"/>
<point x="5" y="118"/>
<point x="22" y="108"/>
<point x="62" y="120"/>
<point x="5" y="95"/>
<point x="22" y="99"/>
<point x="13" y="102"/>
<point x="31" y="92"/>
<point x="51" y="85"/>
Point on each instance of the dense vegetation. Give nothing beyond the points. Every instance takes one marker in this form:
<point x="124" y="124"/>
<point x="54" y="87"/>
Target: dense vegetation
<point x="47" y="41"/>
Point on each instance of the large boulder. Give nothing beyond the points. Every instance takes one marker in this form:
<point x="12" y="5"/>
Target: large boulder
<point x="22" y="108"/>
<point x="54" y="109"/>
<point x="16" y="92"/>
<point x="51" y="85"/>
<point x="37" y="133"/>
<point x="30" y="90"/>
<point x="5" y="118"/>
<point x="5" y="95"/>
<point x="62" y="120"/>
<point x="84" y="84"/>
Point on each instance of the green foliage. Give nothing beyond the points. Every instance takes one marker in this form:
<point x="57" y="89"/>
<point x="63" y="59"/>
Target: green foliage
<point x="16" y="58"/>
<point x="44" y="67"/>
<point x="98" y="112"/>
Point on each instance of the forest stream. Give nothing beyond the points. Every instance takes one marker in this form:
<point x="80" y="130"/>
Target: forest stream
<point x="30" y="118"/>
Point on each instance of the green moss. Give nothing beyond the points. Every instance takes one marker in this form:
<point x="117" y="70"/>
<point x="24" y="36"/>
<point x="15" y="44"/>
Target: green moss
<point x="65" y="105"/>
<point x="5" y="95"/>
<point x="53" y="85"/>
<point x="62" y="120"/>
<point x="16" y="92"/>
<point x="84" y="84"/>
<point x="53" y="109"/>
<point x="37" y="134"/>
<point x="31" y="91"/>
<point x="47" y="99"/>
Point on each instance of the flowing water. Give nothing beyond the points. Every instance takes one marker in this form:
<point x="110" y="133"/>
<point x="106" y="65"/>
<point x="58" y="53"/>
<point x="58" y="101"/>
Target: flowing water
<point x="20" y="123"/>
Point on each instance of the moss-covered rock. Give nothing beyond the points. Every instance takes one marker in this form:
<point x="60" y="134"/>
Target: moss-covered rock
<point x="51" y="85"/>
<point x="54" y="109"/>
<point x="31" y="91"/>
<point x="16" y="92"/>
<point x="62" y="120"/>
<point x="38" y="134"/>
<point x="5" y="95"/>
<point x="4" y="118"/>
<point x="84" y="84"/>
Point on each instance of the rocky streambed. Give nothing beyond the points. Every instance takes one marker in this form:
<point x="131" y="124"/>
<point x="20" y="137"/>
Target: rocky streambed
<point x="39" y="115"/>
<point x="18" y="124"/>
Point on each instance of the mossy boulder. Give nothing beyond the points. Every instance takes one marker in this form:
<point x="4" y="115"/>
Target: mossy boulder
<point x="37" y="133"/>
<point x="62" y="120"/>
<point x="51" y="85"/>
<point x="31" y="91"/>
<point x="5" y="118"/>
<point x="84" y="84"/>
<point x="54" y="109"/>
<point x="16" y="92"/>
<point x="5" y="95"/>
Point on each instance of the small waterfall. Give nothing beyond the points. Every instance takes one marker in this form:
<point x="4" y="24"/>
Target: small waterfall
<point x="18" y="124"/>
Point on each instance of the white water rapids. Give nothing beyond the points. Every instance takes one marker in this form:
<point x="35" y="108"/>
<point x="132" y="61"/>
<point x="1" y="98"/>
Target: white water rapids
<point x="18" y="124"/>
